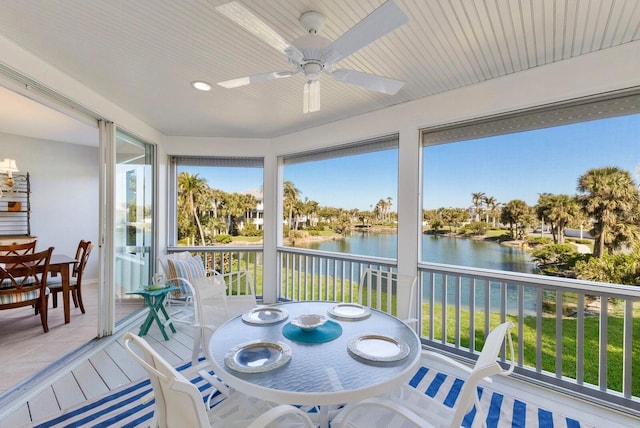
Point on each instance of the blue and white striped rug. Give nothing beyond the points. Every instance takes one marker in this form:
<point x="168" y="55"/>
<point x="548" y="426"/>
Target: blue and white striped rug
<point x="502" y="411"/>
<point x="122" y="407"/>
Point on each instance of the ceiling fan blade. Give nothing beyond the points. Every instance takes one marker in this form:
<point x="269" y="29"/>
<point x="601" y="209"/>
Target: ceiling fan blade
<point x="247" y="20"/>
<point x="311" y="98"/>
<point x="381" y="21"/>
<point x="368" y="81"/>
<point x="256" y="78"/>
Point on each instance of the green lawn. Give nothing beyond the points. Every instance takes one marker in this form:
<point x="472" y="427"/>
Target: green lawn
<point x="590" y="350"/>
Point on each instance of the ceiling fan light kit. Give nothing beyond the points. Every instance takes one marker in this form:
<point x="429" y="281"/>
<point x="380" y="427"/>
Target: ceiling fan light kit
<point x="313" y="55"/>
<point x="311" y="98"/>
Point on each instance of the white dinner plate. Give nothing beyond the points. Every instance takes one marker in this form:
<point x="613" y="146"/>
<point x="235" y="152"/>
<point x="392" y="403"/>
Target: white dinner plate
<point x="257" y="356"/>
<point x="378" y="348"/>
<point x="351" y="311"/>
<point x="265" y="315"/>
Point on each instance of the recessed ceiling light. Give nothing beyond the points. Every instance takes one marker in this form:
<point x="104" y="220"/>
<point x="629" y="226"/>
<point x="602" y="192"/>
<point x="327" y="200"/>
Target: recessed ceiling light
<point x="201" y="86"/>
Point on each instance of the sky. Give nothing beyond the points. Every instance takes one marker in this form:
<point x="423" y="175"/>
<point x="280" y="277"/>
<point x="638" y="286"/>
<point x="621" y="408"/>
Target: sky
<point x="525" y="164"/>
<point x="513" y="166"/>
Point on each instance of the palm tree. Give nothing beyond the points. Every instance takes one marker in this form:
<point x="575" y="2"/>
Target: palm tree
<point x="610" y="197"/>
<point x="249" y="203"/>
<point x="490" y="203"/>
<point x="477" y="199"/>
<point x="380" y="210"/>
<point x="190" y="190"/>
<point x="516" y="213"/>
<point x="290" y="195"/>
<point x="237" y="206"/>
<point x="453" y="217"/>
<point x="311" y="211"/>
<point x="387" y="207"/>
<point x="559" y="210"/>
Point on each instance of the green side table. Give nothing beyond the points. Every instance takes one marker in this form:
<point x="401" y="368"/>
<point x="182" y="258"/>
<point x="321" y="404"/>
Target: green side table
<point x="154" y="299"/>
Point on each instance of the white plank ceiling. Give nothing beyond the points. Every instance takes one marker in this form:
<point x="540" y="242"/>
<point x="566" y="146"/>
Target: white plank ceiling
<point x="143" y="54"/>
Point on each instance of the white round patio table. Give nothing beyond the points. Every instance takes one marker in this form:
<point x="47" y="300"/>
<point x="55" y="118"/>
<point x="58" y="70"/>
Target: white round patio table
<point x="320" y="374"/>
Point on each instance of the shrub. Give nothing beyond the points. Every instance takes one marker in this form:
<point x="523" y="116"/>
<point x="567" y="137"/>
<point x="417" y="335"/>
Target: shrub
<point x="223" y="238"/>
<point x="538" y="240"/>
<point x="553" y="255"/>
<point x="611" y="268"/>
<point x="478" y="227"/>
<point x="250" y="229"/>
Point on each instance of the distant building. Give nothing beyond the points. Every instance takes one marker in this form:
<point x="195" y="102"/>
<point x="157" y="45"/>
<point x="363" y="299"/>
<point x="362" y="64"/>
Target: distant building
<point x="256" y="215"/>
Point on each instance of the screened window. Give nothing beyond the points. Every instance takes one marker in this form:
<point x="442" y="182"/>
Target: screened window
<point x="218" y="200"/>
<point x="521" y="192"/>
<point x="343" y="199"/>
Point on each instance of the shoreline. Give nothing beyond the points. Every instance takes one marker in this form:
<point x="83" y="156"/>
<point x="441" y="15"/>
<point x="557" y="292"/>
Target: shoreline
<point x="306" y="238"/>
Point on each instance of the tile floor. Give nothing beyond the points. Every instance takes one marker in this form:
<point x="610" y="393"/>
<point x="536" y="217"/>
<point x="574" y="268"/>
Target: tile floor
<point x="25" y="349"/>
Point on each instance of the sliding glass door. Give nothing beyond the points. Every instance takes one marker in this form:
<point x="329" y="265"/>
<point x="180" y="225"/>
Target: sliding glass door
<point x="134" y="220"/>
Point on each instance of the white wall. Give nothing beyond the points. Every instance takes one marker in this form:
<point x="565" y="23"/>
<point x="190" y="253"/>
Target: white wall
<point x="64" y="192"/>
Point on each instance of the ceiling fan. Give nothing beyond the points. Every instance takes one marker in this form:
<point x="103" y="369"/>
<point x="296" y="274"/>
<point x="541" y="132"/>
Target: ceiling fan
<point x="313" y="55"/>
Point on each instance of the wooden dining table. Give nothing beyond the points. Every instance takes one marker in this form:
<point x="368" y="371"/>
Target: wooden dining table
<point x="62" y="264"/>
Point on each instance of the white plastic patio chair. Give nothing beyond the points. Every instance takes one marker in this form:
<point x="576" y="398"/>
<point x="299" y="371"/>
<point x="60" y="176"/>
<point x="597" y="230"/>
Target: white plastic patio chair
<point x="178" y="403"/>
<point x="241" y="294"/>
<point x="217" y="298"/>
<point x="375" y="283"/>
<point x="213" y="305"/>
<point x="209" y="310"/>
<point x="408" y="407"/>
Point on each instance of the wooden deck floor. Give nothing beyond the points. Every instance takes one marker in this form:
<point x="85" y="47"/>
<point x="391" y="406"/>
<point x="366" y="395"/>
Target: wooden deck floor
<point x="99" y="367"/>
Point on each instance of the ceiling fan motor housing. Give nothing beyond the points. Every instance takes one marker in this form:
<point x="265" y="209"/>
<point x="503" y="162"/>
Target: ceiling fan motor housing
<point x="312" y="21"/>
<point x="312" y="48"/>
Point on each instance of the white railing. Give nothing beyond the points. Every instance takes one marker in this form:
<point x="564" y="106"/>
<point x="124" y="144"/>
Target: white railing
<point x="321" y="275"/>
<point x="584" y="344"/>
<point x="226" y="259"/>
<point x="576" y="335"/>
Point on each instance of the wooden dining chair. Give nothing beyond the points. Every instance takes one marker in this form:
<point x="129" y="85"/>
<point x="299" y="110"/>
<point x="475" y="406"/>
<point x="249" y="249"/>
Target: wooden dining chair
<point x="18" y="249"/>
<point x="75" y="282"/>
<point x="23" y="282"/>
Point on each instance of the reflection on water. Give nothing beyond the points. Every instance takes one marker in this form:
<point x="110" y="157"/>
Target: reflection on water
<point x="454" y="251"/>
<point x="436" y="249"/>
<point x="474" y="253"/>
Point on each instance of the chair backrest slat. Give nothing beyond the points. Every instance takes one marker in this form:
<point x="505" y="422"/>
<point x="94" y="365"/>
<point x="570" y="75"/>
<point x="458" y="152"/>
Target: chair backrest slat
<point x="18" y="249"/>
<point x="82" y="256"/>
<point x="24" y="273"/>
<point x="178" y="401"/>
<point x="378" y="289"/>
<point x="486" y="366"/>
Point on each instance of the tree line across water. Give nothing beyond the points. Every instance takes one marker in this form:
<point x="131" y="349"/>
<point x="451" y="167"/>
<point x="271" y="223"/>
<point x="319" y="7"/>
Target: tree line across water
<point x="607" y="205"/>
<point x="207" y="216"/>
